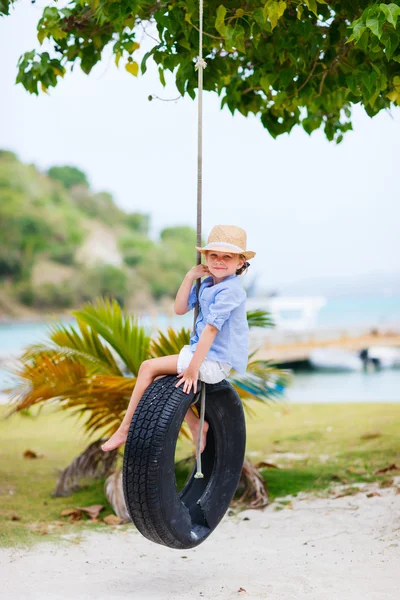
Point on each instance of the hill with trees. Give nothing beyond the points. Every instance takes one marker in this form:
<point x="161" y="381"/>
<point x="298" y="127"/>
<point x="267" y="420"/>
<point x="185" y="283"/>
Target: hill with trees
<point x="62" y="244"/>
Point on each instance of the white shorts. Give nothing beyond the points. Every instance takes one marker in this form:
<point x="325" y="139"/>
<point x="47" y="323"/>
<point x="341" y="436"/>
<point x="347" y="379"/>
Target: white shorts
<point x="211" y="371"/>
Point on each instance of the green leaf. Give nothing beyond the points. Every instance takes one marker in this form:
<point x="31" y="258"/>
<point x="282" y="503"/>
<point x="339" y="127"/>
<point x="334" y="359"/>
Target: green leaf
<point x="390" y="41"/>
<point x="369" y="80"/>
<point x="230" y="34"/>
<point x="300" y="10"/>
<point x="238" y="38"/>
<point x="50" y="13"/>
<point x="143" y="65"/>
<point x="185" y="44"/>
<point x="375" y="24"/>
<point x="352" y="84"/>
<point x="220" y="20"/>
<point x="391" y="12"/>
<point x="161" y="75"/>
<point x="364" y="40"/>
<point x="182" y="76"/>
<point x="312" y="6"/>
<point x="266" y="82"/>
<point x="396" y="82"/>
<point x="88" y="59"/>
<point x="258" y="16"/>
<point x="358" y="30"/>
<point x="273" y="10"/>
<point x="4" y="7"/>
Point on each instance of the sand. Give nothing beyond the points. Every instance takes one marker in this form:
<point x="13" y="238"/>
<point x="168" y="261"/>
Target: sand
<point x="344" y="548"/>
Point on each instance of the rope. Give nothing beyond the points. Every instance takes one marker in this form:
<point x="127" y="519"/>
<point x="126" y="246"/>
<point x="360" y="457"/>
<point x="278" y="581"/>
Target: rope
<point x="200" y="66"/>
<point x="199" y="474"/>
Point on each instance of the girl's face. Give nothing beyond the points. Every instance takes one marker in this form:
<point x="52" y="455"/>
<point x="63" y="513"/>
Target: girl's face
<point x="222" y="264"/>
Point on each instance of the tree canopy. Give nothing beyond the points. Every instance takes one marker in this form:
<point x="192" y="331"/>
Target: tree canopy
<point x="68" y="176"/>
<point x="290" y="62"/>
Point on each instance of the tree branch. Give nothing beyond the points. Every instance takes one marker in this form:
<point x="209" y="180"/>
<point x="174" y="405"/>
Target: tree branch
<point x="308" y="76"/>
<point x="208" y="34"/>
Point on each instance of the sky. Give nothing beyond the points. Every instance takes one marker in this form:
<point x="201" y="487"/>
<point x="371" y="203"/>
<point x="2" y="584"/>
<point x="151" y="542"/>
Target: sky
<point x="312" y="209"/>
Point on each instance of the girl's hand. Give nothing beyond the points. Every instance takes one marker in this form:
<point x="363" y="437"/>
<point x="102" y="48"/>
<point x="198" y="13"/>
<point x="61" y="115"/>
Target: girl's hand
<point x="199" y="271"/>
<point x="189" y="378"/>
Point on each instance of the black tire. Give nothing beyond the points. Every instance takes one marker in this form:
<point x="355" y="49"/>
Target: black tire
<point x="161" y="513"/>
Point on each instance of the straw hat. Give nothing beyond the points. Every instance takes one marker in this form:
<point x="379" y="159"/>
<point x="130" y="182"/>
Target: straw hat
<point x="228" y="238"/>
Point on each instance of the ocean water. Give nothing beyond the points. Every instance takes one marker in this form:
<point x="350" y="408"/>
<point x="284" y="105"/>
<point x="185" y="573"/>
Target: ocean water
<point x="360" y="311"/>
<point x="307" y="386"/>
<point x="321" y="388"/>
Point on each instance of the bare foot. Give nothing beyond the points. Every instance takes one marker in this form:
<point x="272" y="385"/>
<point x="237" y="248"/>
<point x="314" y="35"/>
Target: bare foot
<point x="195" y="433"/>
<point x="116" y="440"/>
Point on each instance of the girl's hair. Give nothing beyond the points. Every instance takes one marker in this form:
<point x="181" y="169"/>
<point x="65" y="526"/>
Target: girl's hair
<point x="244" y="267"/>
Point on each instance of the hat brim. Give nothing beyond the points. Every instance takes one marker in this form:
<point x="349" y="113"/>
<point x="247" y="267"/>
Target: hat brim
<point x="246" y="253"/>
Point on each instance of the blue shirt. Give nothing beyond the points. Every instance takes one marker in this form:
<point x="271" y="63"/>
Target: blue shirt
<point x="223" y="305"/>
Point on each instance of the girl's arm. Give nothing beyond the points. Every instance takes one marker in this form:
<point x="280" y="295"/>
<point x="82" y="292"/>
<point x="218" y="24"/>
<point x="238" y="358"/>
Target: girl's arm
<point x="190" y="375"/>
<point x="182" y="296"/>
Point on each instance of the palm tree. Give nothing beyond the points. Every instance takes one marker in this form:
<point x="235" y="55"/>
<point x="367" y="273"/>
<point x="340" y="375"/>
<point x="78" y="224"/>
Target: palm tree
<point x="91" y="368"/>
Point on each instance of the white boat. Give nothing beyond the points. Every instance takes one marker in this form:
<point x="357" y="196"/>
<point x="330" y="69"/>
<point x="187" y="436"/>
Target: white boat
<point x="335" y="359"/>
<point x="290" y="313"/>
<point x="385" y="357"/>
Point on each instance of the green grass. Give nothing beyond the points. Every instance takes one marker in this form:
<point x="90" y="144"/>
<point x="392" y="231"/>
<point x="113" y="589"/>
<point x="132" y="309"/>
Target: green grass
<point x="319" y="444"/>
<point x="26" y="485"/>
<point x="314" y="445"/>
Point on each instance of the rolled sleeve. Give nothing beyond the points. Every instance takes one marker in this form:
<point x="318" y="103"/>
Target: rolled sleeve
<point x="224" y="303"/>
<point x="192" y="297"/>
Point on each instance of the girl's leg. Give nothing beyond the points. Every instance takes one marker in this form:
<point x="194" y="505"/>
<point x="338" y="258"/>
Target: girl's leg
<point x="149" y="369"/>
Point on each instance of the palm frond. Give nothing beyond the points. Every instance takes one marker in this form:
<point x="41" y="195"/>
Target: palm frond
<point x="107" y="400"/>
<point x="262" y="382"/>
<point x="46" y="378"/>
<point x="259" y="318"/>
<point x="122" y="332"/>
<point x="170" y="343"/>
<point x="83" y="345"/>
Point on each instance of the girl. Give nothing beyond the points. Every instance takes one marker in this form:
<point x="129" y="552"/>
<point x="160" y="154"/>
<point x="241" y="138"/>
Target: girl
<point x="220" y="339"/>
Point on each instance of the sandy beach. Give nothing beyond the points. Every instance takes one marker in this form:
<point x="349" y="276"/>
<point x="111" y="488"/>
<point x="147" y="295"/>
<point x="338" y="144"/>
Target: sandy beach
<point x="345" y="548"/>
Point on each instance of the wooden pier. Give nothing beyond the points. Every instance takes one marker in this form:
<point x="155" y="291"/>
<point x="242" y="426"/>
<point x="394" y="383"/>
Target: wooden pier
<point x="297" y="348"/>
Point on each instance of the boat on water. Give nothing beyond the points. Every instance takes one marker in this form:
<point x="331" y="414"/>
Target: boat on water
<point x="384" y="357"/>
<point x="335" y="359"/>
<point x="290" y="313"/>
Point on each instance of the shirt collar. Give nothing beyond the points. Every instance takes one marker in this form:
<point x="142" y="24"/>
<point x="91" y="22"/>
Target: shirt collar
<point x="210" y="279"/>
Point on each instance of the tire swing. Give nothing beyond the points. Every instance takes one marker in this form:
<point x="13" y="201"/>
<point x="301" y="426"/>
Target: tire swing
<point x="159" y="511"/>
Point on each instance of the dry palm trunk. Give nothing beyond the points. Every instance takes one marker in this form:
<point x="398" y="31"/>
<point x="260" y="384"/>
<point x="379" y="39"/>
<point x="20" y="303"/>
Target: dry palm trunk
<point x="255" y="494"/>
<point x="93" y="462"/>
<point x="115" y="495"/>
